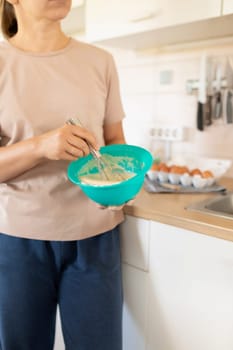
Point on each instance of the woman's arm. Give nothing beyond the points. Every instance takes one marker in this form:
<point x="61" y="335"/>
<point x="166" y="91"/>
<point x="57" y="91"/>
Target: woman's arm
<point x="65" y="143"/>
<point x="17" y="158"/>
<point x="113" y="133"/>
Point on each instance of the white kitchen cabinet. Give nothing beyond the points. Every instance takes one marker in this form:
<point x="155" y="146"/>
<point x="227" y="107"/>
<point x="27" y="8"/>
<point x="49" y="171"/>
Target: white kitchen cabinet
<point x="184" y="300"/>
<point x="109" y="18"/>
<point x="135" y="284"/>
<point x="190" y="291"/>
<point x="112" y="18"/>
<point x="227" y="7"/>
<point x="135" y="242"/>
<point x="135" y="254"/>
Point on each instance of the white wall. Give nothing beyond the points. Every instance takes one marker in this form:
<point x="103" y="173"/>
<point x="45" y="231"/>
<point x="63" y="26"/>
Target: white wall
<point x="149" y="103"/>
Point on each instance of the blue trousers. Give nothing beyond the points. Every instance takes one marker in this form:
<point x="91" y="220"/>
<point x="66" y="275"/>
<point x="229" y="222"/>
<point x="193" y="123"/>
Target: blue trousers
<point x="82" y="277"/>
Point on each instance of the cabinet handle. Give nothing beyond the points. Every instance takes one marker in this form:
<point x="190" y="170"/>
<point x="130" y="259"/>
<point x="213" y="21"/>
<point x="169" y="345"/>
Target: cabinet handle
<point x="144" y="17"/>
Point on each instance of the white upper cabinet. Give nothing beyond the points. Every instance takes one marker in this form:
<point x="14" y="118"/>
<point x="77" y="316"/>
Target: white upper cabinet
<point x="227" y="7"/>
<point x="112" y="18"/>
<point x="109" y="18"/>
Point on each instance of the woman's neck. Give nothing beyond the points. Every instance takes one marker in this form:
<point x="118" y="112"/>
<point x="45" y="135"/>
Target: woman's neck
<point x="40" y="40"/>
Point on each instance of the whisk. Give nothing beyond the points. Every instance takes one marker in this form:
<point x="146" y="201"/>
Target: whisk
<point x="109" y="171"/>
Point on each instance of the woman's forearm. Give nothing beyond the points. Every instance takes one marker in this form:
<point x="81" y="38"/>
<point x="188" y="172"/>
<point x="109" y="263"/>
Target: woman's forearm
<point x="65" y="143"/>
<point x="18" y="158"/>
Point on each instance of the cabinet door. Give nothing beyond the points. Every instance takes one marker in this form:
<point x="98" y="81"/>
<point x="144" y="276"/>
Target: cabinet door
<point x="227" y="7"/>
<point x="190" y="291"/>
<point x="135" y="242"/>
<point x="111" y="18"/>
<point x="135" y="308"/>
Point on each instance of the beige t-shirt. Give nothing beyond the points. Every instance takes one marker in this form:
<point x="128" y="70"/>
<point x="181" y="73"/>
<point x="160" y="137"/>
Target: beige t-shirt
<point x="39" y="92"/>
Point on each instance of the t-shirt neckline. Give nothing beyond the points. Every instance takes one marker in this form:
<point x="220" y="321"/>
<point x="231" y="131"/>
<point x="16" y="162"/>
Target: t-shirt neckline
<point x="42" y="54"/>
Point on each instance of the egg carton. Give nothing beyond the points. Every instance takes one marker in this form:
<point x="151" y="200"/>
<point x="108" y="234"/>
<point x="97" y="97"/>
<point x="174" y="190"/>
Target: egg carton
<point x="217" y="166"/>
<point x="162" y="180"/>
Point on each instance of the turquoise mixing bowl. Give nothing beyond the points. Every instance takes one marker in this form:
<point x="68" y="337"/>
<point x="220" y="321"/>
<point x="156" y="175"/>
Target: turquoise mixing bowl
<point x="121" y="192"/>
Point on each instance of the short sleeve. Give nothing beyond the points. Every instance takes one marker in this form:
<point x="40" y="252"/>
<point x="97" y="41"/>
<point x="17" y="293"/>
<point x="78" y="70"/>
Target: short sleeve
<point x="114" y="111"/>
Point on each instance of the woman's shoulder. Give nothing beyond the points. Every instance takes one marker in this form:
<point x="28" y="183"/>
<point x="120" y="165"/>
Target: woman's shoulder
<point x="92" y="50"/>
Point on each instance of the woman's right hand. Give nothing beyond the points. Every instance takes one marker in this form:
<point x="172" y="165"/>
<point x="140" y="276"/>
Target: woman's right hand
<point x="68" y="142"/>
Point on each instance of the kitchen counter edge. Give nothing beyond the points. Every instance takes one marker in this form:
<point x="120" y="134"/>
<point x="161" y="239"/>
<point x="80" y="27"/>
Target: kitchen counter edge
<point x="170" y="209"/>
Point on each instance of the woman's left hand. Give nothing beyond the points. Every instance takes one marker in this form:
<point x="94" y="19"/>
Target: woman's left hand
<point x="117" y="207"/>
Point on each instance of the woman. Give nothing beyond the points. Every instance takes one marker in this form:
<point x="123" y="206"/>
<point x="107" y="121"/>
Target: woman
<point x="57" y="247"/>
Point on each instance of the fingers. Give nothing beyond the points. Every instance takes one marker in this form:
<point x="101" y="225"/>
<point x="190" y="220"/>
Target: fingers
<point x="111" y="207"/>
<point x="72" y="153"/>
<point x="68" y="142"/>
<point x="84" y="134"/>
<point x="75" y="145"/>
<point x="116" y="207"/>
<point x="130" y="202"/>
<point x="68" y="156"/>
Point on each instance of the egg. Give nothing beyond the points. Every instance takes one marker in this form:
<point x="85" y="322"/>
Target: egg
<point x="164" y="168"/>
<point x="175" y="169"/>
<point x="155" y="166"/>
<point x="184" y="170"/>
<point x="207" y="174"/>
<point x="196" y="171"/>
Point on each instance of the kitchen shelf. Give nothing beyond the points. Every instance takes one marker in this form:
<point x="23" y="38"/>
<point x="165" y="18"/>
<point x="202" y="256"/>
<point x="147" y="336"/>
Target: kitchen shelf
<point x="214" y="28"/>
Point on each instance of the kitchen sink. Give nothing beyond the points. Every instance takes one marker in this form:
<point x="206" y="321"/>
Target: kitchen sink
<point x="220" y="206"/>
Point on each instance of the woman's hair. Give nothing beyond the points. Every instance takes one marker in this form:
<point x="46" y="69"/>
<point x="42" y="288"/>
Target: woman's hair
<point x="9" y="24"/>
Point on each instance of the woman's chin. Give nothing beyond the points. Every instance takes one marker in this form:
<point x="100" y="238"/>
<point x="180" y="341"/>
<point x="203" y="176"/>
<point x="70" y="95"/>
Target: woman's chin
<point x="58" y="10"/>
<point x="58" y="15"/>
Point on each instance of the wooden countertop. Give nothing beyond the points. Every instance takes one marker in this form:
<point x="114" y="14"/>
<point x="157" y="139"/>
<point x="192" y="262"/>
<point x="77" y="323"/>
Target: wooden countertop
<point x="169" y="208"/>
